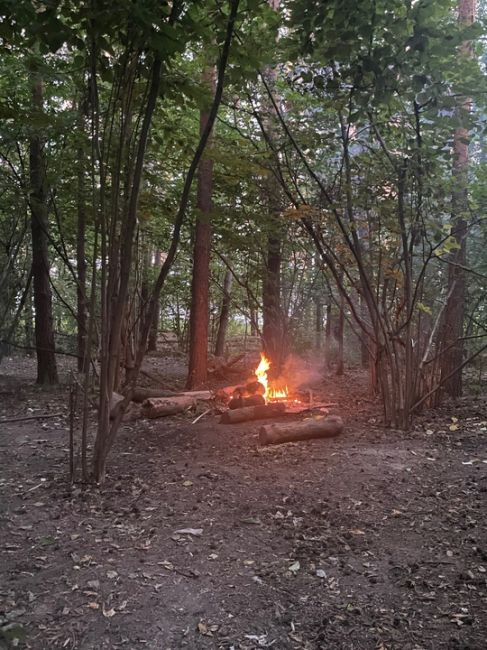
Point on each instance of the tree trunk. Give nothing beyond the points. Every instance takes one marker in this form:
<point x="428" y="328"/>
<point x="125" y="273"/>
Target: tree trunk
<point x="43" y="323"/>
<point x="81" y="257"/>
<point x="452" y="343"/>
<point x="224" y="314"/>
<point x="199" y="316"/>
<point x="339" y="336"/>
<point x="328" y="335"/>
<point x="152" y="341"/>
<point x="318" y="323"/>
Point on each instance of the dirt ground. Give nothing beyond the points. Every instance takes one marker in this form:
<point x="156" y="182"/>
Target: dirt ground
<point x="376" y="539"/>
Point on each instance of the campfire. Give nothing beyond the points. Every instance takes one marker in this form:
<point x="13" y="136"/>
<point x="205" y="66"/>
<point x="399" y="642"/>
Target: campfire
<point x="262" y="391"/>
<point x="261" y="398"/>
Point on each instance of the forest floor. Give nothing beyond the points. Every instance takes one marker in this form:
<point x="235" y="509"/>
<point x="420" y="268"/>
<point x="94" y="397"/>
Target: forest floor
<point x="376" y="539"/>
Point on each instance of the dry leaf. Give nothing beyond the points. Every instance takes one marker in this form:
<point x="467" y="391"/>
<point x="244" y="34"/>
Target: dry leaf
<point x="196" y="532"/>
<point x="108" y="613"/>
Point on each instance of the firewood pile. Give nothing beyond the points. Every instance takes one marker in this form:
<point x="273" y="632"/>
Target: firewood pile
<point x="238" y="404"/>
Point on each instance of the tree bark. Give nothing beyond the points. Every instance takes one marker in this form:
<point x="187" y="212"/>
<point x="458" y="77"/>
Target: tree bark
<point x="199" y="315"/>
<point x="43" y="321"/>
<point x="224" y="315"/>
<point x="452" y="343"/>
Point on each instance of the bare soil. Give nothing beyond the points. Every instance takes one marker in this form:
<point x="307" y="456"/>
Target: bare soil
<point x="376" y="539"/>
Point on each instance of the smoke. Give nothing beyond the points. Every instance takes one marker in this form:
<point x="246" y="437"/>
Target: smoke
<point x="299" y="372"/>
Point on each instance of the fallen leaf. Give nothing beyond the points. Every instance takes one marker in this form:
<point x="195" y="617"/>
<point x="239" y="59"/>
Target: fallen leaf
<point x="294" y="568"/>
<point x="204" y="629"/>
<point x="196" y="532"/>
<point x="167" y="565"/>
<point x="93" y="605"/>
<point x="108" y="613"/>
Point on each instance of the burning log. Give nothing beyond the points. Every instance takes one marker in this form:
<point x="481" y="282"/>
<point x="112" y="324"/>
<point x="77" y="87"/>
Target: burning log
<point x="275" y="434"/>
<point x="158" y="407"/>
<point x="248" y="413"/>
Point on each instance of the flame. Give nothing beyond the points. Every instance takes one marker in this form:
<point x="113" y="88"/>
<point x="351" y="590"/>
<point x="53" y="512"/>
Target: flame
<point x="278" y="393"/>
<point x="261" y="373"/>
<point x="270" y="394"/>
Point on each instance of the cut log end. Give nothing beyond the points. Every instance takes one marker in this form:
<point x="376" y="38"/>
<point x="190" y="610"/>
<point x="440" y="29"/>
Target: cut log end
<point x="275" y="434"/>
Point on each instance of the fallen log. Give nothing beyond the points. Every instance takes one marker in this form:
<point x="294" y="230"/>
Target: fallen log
<point x="39" y="416"/>
<point x="249" y="413"/>
<point x="218" y="366"/>
<point x="275" y="434"/>
<point x="141" y="394"/>
<point x="157" y="407"/>
<point x="203" y="395"/>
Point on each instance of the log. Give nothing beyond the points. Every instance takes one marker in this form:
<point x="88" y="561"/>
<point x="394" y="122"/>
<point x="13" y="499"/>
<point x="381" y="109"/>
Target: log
<point x="249" y="413"/>
<point x="240" y="401"/>
<point x="219" y="366"/>
<point x="203" y="395"/>
<point x="157" y="407"/>
<point x="141" y="394"/>
<point x="275" y="434"/>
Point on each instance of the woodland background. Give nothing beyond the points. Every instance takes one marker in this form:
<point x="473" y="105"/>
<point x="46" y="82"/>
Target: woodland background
<point x="311" y="173"/>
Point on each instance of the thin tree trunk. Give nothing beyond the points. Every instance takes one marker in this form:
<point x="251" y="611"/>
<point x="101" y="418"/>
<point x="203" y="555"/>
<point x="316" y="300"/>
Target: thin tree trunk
<point x="224" y="315"/>
<point x="200" y="287"/>
<point x="152" y="341"/>
<point x="318" y="323"/>
<point x="81" y="257"/>
<point x="44" y="333"/>
<point x="452" y="342"/>
<point x="339" y="336"/>
<point x="105" y="438"/>
<point x="328" y="335"/>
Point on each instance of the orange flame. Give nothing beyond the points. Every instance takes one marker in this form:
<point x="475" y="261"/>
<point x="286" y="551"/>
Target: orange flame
<point x="270" y="394"/>
<point x="261" y="373"/>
